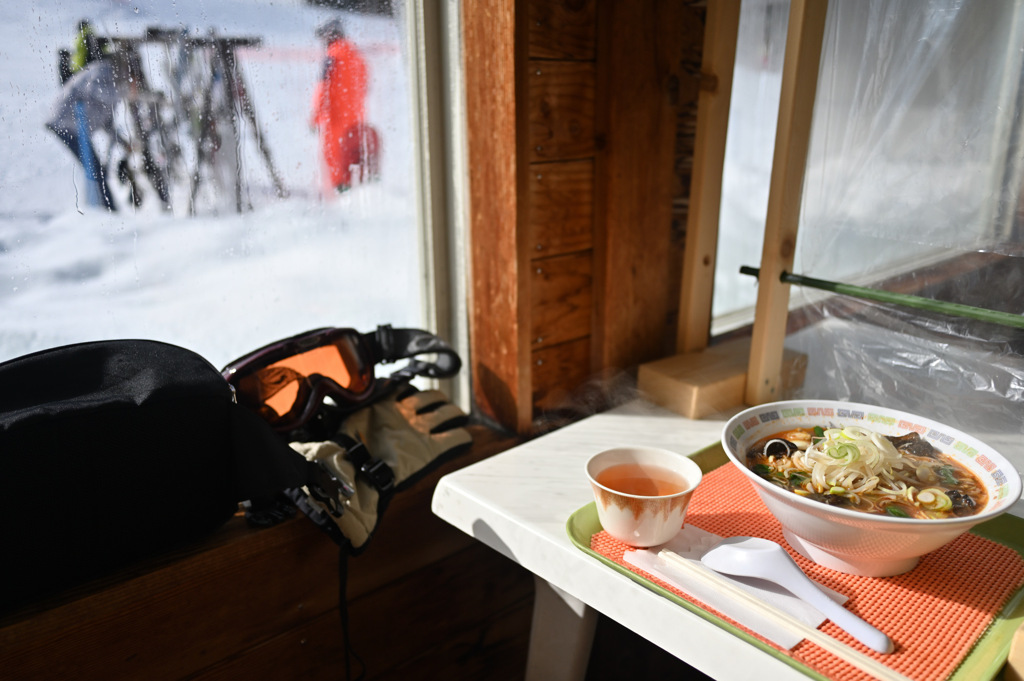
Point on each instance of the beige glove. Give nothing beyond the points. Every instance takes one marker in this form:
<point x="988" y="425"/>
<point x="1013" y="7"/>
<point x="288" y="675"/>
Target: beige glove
<point x="408" y="430"/>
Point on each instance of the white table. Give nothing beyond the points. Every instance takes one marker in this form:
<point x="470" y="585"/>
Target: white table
<point x="518" y="502"/>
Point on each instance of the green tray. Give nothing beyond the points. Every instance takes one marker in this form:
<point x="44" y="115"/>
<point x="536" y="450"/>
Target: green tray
<point x="985" y="659"/>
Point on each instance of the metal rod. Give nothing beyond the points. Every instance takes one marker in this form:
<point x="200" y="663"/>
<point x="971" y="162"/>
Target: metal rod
<point x="902" y="299"/>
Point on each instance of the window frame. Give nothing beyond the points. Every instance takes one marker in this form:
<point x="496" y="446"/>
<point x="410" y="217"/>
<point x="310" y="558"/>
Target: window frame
<point x="433" y="33"/>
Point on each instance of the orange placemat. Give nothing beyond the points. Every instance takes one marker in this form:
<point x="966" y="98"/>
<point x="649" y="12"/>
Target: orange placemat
<point x="934" y="614"/>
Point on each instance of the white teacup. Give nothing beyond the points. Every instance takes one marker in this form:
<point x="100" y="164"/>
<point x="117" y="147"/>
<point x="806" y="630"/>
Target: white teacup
<point x="642" y="492"/>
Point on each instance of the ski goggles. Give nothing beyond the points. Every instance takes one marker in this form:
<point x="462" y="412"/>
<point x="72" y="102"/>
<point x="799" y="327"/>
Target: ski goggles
<point x="287" y="381"/>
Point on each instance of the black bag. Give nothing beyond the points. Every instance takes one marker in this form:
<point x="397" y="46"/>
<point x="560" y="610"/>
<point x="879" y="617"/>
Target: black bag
<point x="112" y="451"/>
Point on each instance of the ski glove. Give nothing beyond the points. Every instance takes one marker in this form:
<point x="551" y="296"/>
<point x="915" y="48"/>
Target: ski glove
<point x="380" y="449"/>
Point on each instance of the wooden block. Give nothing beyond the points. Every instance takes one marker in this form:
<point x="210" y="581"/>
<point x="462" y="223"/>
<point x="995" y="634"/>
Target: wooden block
<point x="698" y="384"/>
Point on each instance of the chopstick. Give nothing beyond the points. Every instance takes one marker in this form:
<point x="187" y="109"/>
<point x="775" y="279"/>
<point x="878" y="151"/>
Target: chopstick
<point x="841" y="650"/>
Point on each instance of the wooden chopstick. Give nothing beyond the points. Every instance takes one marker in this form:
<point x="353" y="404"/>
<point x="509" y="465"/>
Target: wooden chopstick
<point x="841" y="650"/>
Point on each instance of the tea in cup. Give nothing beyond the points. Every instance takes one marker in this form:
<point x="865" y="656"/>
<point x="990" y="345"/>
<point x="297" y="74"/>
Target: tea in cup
<point x="642" y="493"/>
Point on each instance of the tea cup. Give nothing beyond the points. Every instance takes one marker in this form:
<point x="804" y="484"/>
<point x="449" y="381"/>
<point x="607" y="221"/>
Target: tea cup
<point x="641" y="493"/>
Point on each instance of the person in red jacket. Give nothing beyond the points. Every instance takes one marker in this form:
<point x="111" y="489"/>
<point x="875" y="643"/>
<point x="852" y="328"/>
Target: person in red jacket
<point x="349" y="146"/>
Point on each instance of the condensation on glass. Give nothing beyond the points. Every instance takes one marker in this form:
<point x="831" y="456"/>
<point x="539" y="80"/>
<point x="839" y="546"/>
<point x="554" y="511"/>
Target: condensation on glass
<point x="214" y="175"/>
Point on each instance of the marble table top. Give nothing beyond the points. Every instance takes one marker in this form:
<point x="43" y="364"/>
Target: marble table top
<point x="518" y="502"/>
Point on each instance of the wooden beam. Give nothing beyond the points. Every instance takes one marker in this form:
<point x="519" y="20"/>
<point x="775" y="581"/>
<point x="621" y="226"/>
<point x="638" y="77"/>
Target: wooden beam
<point x="792" y="139"/>
<point x="499" y="344"/>
<point x="718" y="59"/>
<point x="639" y="70"/>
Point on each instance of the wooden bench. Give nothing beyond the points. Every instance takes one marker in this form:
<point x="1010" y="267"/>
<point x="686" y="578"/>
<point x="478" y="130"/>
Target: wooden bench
<point x="424" y="601"/>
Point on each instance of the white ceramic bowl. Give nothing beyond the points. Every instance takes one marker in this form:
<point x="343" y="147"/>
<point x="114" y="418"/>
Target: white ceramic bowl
<point x="851" y="541"/>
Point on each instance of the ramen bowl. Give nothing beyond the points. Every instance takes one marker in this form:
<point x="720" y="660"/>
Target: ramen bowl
<point x="642" y="493"/>
<point x="852" y="541"/>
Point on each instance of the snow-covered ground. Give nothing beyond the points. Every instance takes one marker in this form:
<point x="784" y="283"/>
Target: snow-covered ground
<point x="219" y="284"/>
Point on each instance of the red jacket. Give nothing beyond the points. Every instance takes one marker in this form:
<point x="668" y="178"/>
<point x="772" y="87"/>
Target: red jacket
<point x="339" y="101"/>
<point x="339" y="108"/>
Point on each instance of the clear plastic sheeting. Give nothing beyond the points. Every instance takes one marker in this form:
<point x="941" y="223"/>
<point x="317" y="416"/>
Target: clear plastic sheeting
<point x="913" y="185"/>
<point x="753" y="114"/>
<point x="915" y="145"/>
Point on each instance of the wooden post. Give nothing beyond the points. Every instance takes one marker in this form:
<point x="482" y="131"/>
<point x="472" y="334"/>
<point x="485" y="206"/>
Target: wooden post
<point x="719" y="57"/>
<point x="497" y="156"/>
<point x="792" y="139"/>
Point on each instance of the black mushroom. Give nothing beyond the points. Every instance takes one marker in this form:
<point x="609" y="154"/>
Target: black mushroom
<point x="830" y="499"/>
<point x="963" y="504"/>
<point x="912" y="443"/>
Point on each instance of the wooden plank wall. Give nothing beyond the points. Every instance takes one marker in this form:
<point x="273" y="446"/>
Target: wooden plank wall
<point x="643" y="47"/>
<point x="561" y="83"/>
<point x="593" y="125"/>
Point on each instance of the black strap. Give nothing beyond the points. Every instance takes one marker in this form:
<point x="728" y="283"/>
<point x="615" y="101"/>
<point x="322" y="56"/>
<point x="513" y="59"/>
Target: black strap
<point x="377" y="473"/>
<point x="390" y="345"/>
<point x="343" y="614"/>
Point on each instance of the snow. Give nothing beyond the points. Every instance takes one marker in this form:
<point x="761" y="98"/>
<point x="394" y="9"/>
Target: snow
<point x="219" y="283"/>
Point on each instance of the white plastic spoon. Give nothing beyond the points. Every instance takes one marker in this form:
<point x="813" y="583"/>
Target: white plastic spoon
<point x="764" y="559"/>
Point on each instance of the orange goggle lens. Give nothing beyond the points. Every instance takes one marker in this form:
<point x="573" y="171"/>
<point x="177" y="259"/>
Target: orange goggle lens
<point x="287" y="391"/>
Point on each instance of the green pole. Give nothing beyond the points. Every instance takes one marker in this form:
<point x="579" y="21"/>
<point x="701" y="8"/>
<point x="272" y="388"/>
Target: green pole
<point x="901" y="299"/>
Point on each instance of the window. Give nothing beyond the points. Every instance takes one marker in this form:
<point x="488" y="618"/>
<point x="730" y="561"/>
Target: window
<point x="915" y="142"/>
<point x="913" y="186"/>
<point x="228" y="231"/>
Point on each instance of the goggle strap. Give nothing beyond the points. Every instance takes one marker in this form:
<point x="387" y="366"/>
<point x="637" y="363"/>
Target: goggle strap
<point x="390" y="345"/>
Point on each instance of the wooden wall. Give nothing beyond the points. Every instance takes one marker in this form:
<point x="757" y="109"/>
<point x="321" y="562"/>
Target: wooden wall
<point x="561" y="84"/>
<point x="580" y="123"/>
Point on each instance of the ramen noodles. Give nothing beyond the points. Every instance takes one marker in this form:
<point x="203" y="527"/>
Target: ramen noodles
<point x="862" y="470"/>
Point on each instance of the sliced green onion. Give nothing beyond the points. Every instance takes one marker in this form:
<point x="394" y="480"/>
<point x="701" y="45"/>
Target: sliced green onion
<point x="934" y="499"/>
<point x="896" y="511"/>
<point x="837" y="490"/>
<point x="845" y="451"/>
<point x="856" y="433"/>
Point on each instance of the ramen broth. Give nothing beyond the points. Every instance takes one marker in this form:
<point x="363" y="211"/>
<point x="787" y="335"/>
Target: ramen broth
<point x="642" y="480"/>
<point x="858" y="469"/>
